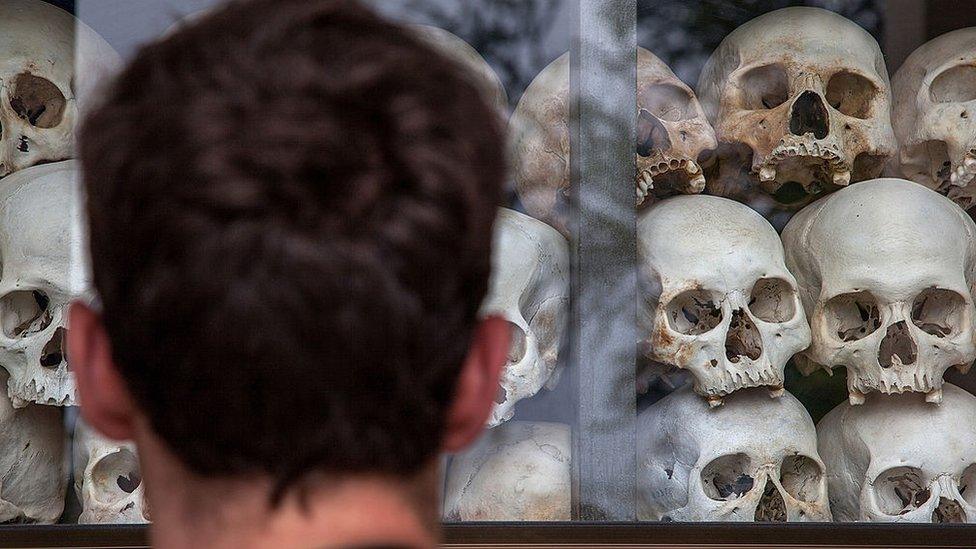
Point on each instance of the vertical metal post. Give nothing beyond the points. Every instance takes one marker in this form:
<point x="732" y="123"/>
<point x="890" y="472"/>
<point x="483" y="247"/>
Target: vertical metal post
<point x="603" y="87"/>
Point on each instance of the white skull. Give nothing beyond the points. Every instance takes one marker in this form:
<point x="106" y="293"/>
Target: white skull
<point x="529" y="287"/>
<point x="801" y="101"/>
<point x="718" y="299"/>
<point x="935" y="115"/>
<point x="43" y="49"/>
<point x="42" y="269"/>
<point x="519" y="471"/>
<point x="484" y="77"/>
<point x="108" y="481"/>
<point x="901" y="459"/>
<point x="31" y="462"/>
<point x="672" y="133"/>
<point x="885" y="269"/>
<point x="753" y="459"/>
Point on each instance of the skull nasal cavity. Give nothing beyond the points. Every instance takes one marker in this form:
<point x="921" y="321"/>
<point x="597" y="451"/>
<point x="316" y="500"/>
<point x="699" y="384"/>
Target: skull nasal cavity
<point x="54" y="350"/>
<point x="898" y="343"/>
<point x="651" y="134"/>
<point x="809" y="115"/>
<point x="772" y="507"/>
<point x="743" y="338"/>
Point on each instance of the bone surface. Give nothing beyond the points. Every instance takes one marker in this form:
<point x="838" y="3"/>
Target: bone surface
<point x="884" y="270"/>
<point x="529" y="287"/>
<point x="519" y="471"/>
<point x="43" y="269"/>
<point x="672" y="132"/>
<point x="935" y="116"/>
<point x="902" y="459"/>
<point x="753" y="459"/>
<point x="49" y="63"/>
<point x="800" y="100"/>
<point x="718" y="300"/>
<point x="107" y="479"/>
<point x="32" y="463"/>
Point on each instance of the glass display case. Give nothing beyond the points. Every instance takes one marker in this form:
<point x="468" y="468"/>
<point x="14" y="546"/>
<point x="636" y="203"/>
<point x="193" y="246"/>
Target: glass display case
<point x="738" y="259"/>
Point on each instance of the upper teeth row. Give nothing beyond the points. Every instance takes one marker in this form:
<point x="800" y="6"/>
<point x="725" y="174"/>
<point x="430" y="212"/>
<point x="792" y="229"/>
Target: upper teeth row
<point x="645" y="182"/>
<point x="965" y="171"/>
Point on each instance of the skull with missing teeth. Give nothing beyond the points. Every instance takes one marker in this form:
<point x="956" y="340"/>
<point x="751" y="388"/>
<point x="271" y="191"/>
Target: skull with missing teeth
<point x="719" y="300"/>
<point x="801" y="101"/>
<point x="529" y="287"/>
<point x="885" y="269"/>
<point x="43" y="270"/>
<point x="901" y="459"/>
<point x="754" y="459"/>
<point x="672" y="133"/>
<point x="40" y="91"/>
<point x="935" y="116"/>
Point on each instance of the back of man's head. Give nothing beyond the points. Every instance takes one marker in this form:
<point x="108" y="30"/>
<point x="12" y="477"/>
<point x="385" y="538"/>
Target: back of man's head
<point x="291" y="206"/>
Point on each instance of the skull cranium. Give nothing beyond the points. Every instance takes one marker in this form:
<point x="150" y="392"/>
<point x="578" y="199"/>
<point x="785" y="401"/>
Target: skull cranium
<point x="529" y="287"/>
<point x="107" y="479"/>
<point x="935" y="100"/>
<point x="885" y="269"/>
<point x="753" y="459"/>
<point x="43" y="269"/>
<point x="801" y="102"/>
<point x="901" y="459"/>
<point x="718" y="299"/>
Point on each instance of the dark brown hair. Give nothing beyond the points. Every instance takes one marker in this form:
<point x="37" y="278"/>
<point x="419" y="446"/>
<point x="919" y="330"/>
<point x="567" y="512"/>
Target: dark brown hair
<point x="291" y="205"/>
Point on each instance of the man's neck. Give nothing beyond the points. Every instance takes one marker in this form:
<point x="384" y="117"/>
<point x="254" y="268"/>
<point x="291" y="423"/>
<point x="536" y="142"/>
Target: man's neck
<point x="353" y="512"/>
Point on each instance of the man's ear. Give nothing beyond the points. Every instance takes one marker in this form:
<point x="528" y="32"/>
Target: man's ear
<point x="106" y="404"/>
<point x="477" y="385"/>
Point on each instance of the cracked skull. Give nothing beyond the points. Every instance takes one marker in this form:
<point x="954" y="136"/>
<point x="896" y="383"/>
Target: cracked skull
<point x="108" y="481"/>
<point x="801" y="101"/>
<point x="43" y="47"/>
<point x="718" y="299"/>
<point x="529" y="287"/>
<point x="753" y="459"/>
<point x="42" y="268"/>
<point x="901" y="459"/>
<point x="672" y="133"/>
<point x="518" y="471"/>
<point x="884" y="269"/>
<point x="935" y="116"/>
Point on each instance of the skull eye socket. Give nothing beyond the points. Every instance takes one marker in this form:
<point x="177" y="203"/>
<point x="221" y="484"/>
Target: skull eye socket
<point x="936" y="311"/>
<point x="772" y="300"/>
<point x="765" y="87"/>
<point x="900" y="490"/>
<point x="955" y="85"/>
<point x="693" y="312"/>
<point x="516" y="350"/>
<point x="801" y="478"/>
<point x="852" y="316"/>
<point x="851" y="94"/>
<point x="24" y="313"/>
<point x="37" y="100"/>
<point x="668" y="102"/>
<point x="727" y="477"/>
<point x="115" y="476"/>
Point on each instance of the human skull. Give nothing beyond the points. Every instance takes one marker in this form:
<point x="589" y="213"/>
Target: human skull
<point x="108" y="481"/>
<point x="672" y="133"/>
<point x="801" y="101"/>
<point x="529" y="287"/>
<point x="753" y="459"/>
<point x="935" y="97"/>
<point x="42" y="269"/>
<point x="520" y="471"/>
<point x="901" y="459"/>
<point x="31" y="463"/>
<point x="718" y="299"/>
<point x="43" y="50"/>
<point x="885" y="269"/>
<point x="484" y="77"/>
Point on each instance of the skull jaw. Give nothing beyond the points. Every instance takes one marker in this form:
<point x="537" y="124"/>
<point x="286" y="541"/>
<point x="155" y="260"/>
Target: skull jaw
<point x="40" y="385"/>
